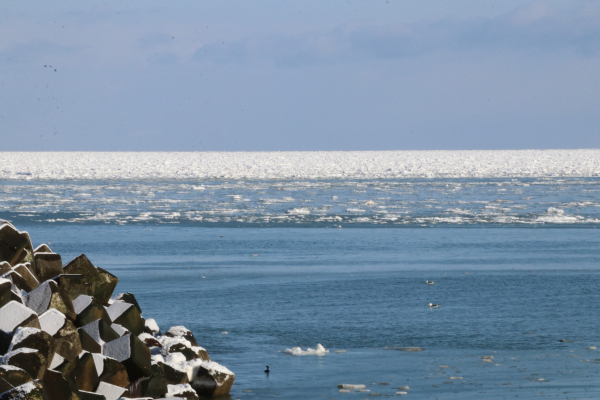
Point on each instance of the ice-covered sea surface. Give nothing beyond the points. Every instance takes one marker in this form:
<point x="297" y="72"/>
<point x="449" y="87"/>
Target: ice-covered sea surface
<point x="283" y="250"/>
<point x="390" y="202"/>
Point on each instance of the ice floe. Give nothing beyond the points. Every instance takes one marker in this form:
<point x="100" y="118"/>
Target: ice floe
<point x="351" y="386"/>
<point x="319" y="350"/>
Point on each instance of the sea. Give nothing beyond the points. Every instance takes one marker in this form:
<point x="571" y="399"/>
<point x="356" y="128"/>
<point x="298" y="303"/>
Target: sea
<point x="257" y="264"/>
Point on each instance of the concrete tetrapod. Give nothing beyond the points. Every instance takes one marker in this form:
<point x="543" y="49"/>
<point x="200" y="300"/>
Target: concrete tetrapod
<point x="102" y="283"/>
<point x="212" y="379"/>
<point x="111" y="371"/>
<point x="33" y="338"/>
<point x="22" y="278"/>
<point x="50" y="295"/>
<point x="95" y="334"/>
<point x="85" y="373"/>
<point x="66" y="338"/>
<point x="5" y="288"/>
<point x="29" y="391"/>
<point x="15" y="246"/>
<point x="128" y="298"/>
<point x="43" y="304"/>
<point x="183" y="332"/>
<point x="14" y="315"/>
<point x="88" y="309"/>
<point x="47" y="265"/>
<point x="56" y="387"/>
<point x="126" y="315"/>
<point x="110" y="392"/>
<point x="15" y="376"/>
<point x="42" y="248"/>
<point x="133" y="353"/>
<point x="73" y="284"/>
<point x="30" y="360"/>
<point x="154" y="386"/>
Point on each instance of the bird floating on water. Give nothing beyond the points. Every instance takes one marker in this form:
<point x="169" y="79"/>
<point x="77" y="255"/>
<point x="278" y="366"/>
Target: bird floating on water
<point x="429" y="282"/>
<point x="267" y="370"/>
<point x="431" y="305"/>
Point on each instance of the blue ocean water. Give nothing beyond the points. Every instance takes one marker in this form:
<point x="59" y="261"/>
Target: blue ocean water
<point x="512" y="282"/>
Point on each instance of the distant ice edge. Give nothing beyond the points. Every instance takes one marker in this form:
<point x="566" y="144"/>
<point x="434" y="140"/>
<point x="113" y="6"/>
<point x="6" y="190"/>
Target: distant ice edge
<point x="299" y="165"/>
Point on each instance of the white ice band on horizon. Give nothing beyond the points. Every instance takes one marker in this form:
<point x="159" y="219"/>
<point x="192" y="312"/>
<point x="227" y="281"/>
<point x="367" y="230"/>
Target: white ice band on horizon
<point x="299" y="165"/>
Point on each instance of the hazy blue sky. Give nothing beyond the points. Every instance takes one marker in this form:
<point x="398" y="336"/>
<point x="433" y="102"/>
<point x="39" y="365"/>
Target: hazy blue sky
<point x="299" y="75"/>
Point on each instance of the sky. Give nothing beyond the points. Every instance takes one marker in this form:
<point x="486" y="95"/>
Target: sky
<point x="282" y="75"/>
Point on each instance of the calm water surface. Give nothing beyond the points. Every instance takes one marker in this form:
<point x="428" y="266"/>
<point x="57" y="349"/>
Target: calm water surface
<point x="507" y="292"/>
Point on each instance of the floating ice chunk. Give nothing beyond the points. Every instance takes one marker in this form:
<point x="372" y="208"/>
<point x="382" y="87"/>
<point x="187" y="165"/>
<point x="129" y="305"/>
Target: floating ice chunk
<point x="345" y="390"/>
<point x="351" y="386"/>
<point x="341" y="351"/>
<point x="298" y="211"/>
<point x="401" y="393"/>
<point x="319" y="350"/>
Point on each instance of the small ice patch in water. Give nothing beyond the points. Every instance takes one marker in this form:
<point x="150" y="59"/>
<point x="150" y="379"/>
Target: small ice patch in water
<point x="351" y="386"/>
<point x="298" y="211"/>
<point x="319" y="350"/>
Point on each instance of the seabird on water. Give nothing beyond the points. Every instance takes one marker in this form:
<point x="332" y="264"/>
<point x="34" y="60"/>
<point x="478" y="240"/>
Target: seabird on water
<point x="429" y="282"/>
<point x="267" y="370"/>
<point x="431" y="305"/>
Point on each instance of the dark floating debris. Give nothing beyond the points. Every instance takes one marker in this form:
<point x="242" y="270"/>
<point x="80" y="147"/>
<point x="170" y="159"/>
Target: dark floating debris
<point x="413" y="349"/>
